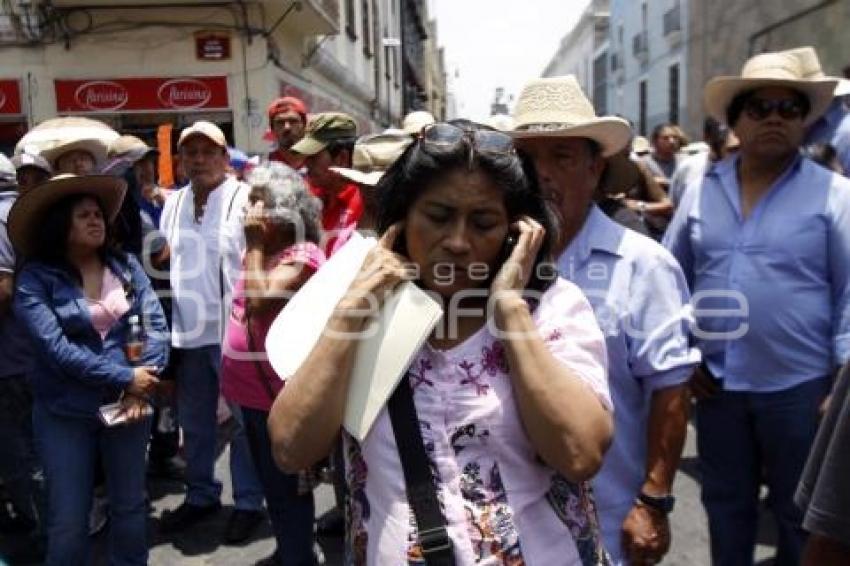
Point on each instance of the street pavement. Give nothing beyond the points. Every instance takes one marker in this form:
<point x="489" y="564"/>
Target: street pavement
<point x="202" y="545"/>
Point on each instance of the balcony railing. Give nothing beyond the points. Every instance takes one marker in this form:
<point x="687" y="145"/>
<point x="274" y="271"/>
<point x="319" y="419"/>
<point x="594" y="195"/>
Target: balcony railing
<point x="640" y="44"/>
<point x="673" y="20"/>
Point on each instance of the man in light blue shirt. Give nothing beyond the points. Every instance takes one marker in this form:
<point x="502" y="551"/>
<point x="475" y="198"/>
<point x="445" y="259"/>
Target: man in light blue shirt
<point x="640" y="298"/>
<point x="764" y="240"/>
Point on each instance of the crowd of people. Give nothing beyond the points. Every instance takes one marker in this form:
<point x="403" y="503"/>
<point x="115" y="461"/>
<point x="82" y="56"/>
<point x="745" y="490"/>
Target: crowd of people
<point x="595" y="286"/>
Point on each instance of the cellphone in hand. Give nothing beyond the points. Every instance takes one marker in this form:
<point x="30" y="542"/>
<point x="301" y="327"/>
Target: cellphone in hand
<point x="111" y="414"/>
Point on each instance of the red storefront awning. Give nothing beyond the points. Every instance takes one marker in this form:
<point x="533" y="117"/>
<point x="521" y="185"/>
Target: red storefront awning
<point x="10" y="97"/>
<point x="142" y="94"/>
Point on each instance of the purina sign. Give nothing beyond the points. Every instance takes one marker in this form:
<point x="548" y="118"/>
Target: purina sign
<point x="141" y="94"/>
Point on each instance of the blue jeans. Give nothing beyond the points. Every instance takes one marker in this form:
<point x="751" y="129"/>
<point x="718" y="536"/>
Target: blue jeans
<point x="197" y="401"/>
<point x="742" y="439"/>
<point x="68" y="448"/>
<point x="291" y="514"/>
<point x="20" y="469"/>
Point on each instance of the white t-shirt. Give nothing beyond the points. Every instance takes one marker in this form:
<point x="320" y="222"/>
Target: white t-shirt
<point x="206" y="258"/>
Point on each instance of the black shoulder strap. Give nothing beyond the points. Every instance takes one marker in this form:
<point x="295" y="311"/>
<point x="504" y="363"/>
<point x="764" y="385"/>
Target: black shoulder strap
<point x="421" y="491"/>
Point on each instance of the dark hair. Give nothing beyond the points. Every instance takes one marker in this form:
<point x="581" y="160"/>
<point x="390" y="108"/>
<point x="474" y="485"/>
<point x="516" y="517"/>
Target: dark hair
<point x="736" y="107"/>
<point x="420" y="167"/>
<point x="336" y="146"/>
<point x="51" y="240"/>
<point x="656" y="131"/>
<point x="822" y="154"/>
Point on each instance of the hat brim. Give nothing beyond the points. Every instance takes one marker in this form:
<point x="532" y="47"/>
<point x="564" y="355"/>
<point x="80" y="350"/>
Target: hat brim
<point x="359" y="177"/>
<point x="720" y="91"/>
<point x="308" y="146"/>
<point x="612" y="134"/>
<point x="25" y="214"/>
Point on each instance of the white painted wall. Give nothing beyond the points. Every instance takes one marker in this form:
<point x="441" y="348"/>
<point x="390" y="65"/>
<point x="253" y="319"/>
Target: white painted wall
<point x="623" y="97"/>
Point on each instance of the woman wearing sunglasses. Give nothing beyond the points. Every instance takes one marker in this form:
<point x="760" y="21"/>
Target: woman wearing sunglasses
<point x="509" y="393"/>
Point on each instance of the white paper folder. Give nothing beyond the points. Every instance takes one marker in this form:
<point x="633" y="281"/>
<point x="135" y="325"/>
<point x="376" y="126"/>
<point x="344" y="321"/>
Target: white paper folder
<point x="384" y="351"/>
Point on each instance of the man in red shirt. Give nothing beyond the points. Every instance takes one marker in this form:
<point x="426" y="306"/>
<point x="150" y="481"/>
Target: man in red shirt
<point x="287" y="119"/>
<point x="329" y="142"/>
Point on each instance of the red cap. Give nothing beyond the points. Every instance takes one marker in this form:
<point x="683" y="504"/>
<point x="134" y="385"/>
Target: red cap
<point x="286" y="104"/>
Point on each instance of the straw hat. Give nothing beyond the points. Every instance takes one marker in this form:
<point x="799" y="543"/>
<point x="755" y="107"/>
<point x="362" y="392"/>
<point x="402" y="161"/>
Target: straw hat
<point x="57" y="136"/>
<point x="812" y="69"/>
<point x="779" y="69"/>
<point x="640" y="145"/>
<point x="25" y="215"/>
<point x="557" y="108"/>
<point x="415" y="121"/>
<point x="373" y="156"/>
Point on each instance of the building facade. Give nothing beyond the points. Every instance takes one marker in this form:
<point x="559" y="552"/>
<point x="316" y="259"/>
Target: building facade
<point x="139" y="66"/>
<point x="648" y="56"/>
<point x="725" y="33"/>
<point x="583" y="52"/>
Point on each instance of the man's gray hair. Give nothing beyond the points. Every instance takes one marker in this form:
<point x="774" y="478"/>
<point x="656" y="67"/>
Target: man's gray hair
<point x="288" y="199"/>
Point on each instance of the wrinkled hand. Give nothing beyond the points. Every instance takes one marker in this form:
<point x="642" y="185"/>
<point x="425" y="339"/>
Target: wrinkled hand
<point x="382" y="270"/>
<point x="645" y="535"/>
<point x="702" y="387"/>
<point x="255" y="224"/>
<point x="514" y="274"/>
<point x="133" y="407"/>
<point x="144" y="382"/>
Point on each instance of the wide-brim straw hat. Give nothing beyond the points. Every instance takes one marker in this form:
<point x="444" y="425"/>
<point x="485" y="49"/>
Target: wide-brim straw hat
<point x="57" y="136"/>
<point x="812" y="69"/>
<point x="777" y="69"/>
<point x="373" y="156"/>
<point x="556" y="107"/>
<point x="26" y="214"/>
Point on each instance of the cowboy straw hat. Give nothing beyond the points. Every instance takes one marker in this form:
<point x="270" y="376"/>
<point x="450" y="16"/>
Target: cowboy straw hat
<point x="812" y="69"/>
<point x="25" y="215"/>
<point x="51" y="138"/>
<point x="373" y="156"/>
<point x="557" y="108"/>
<point x="775" y="69"/>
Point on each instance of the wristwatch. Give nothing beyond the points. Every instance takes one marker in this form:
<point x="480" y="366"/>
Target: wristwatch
<point x="665" y="503"/>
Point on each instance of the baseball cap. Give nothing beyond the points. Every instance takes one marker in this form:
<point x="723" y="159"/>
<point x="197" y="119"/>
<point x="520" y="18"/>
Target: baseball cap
<point x="324" y="129"/>
<point x="27" y="159"/>
<point x="285" y="104"/>
<point x="206" y="129"/>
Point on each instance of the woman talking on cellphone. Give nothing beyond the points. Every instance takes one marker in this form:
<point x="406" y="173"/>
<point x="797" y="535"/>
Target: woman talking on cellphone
<point x="76" y="297"/>
<point x="504" y="413"/>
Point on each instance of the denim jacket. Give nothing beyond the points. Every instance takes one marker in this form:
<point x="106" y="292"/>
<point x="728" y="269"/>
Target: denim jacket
<point x="75" y="371"/>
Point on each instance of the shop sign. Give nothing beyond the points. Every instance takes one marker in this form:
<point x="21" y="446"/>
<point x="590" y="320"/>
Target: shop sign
<point x="10" y="97"/>
<point x="140" y="94"/>
<point x="212" y="46"/>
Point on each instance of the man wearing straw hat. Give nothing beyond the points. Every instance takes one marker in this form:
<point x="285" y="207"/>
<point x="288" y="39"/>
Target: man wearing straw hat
<point x="639" y="295"/>
<point x="764" y="238"/>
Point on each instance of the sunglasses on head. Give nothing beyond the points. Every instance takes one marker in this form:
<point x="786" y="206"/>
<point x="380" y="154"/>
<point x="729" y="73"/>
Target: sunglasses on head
<point x="448" y="136"/>
<point x="788" y="108"/>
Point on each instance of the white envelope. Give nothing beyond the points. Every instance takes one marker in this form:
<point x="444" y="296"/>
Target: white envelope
<point x="383" y="354"/>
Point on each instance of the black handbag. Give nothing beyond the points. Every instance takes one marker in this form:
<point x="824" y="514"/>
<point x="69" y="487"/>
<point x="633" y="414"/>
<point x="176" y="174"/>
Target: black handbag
<point x="419" y="483"/>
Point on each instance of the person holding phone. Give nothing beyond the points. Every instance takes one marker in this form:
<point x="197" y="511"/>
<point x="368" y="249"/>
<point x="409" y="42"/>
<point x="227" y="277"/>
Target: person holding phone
<point x="283" y="229"/>
<point x="75" y="296"/>
<point x="509" y="393"/>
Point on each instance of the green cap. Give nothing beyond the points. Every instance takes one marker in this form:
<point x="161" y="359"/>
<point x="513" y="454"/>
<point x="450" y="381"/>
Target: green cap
<point x="323" y="129"/>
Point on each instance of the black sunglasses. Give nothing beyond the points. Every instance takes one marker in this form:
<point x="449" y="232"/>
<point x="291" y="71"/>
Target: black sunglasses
<point x="448" y="136"/>
<point x="788" y="109"/>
